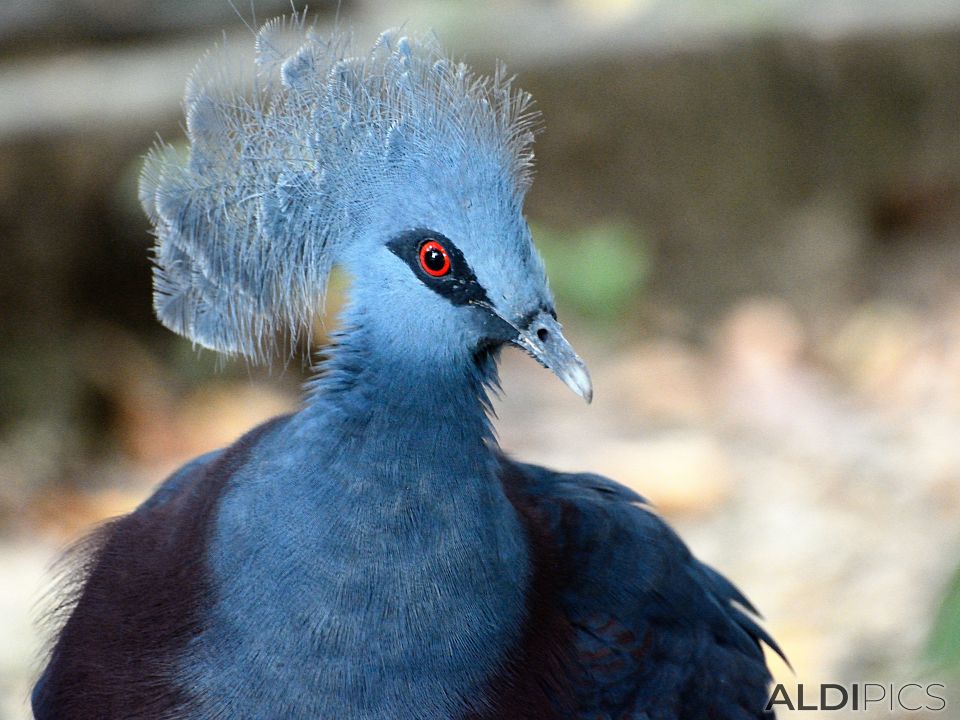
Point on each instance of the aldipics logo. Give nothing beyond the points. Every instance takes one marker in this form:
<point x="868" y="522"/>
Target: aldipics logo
<point x="909" y="697"/>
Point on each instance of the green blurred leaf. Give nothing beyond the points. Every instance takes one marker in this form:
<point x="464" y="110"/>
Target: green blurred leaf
<point x="944" y="645"/>
<point x="597" y="271"/>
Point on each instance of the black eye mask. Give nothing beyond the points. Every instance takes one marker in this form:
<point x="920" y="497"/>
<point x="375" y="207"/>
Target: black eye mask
<point x="440" y="266"/>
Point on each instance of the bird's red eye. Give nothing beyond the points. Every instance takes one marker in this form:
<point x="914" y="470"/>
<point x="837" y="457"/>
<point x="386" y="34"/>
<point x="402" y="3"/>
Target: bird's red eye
<point x="434" y="259"/>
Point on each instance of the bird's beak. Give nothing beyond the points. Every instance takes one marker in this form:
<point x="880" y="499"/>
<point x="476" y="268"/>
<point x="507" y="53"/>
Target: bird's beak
<point x="544" y="342"/>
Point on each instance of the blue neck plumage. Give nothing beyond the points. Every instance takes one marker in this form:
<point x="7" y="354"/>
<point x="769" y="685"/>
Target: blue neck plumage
<point x="364" y="390"/>
<point x="379" y="505"/>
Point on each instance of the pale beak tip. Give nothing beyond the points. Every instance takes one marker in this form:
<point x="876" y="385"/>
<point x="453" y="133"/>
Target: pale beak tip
<point x="578" y="379"/>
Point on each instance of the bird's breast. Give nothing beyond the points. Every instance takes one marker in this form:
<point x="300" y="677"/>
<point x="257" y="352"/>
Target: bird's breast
<point x="360" y="602"/>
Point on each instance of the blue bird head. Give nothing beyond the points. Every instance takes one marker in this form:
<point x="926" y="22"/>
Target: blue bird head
<point x="399" y="165"/>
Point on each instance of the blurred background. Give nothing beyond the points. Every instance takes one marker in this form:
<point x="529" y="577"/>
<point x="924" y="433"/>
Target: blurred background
<point x="750" y="212"/>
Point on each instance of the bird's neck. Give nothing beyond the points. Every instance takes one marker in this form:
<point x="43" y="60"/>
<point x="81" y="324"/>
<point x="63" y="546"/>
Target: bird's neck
<point x="400" y="549"/>
<point x="389" y="401"/>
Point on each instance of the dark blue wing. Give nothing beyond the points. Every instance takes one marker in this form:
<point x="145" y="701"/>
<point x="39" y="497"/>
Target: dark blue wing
<point x="657" y="634"/>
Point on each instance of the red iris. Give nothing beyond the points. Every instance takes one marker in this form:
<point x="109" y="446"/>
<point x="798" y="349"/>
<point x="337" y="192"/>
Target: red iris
<point x="434" y="259"/>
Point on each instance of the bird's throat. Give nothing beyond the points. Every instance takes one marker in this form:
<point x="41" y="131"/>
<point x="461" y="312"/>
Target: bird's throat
<point x="437" y="404"/>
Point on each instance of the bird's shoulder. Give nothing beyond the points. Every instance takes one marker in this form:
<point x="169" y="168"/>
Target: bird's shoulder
<point x="131" y="598"/>
<point x="186" y="478"/>
<point x="655" y="632"/>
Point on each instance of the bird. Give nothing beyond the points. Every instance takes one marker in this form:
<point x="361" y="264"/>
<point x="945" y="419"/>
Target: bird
<point x="376" y="554"/>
